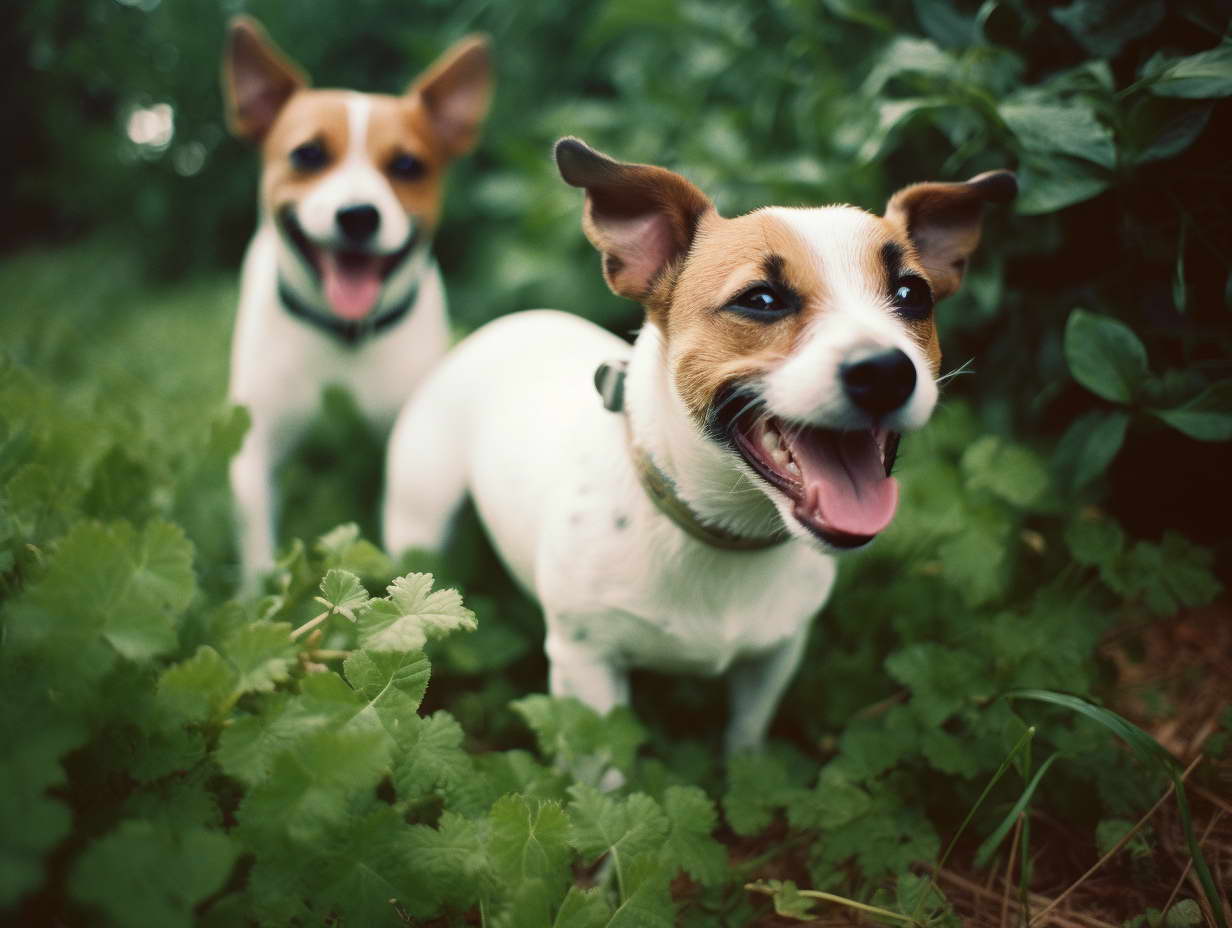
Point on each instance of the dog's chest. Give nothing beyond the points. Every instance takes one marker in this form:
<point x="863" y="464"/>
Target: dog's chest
<point x="629" y="584"/>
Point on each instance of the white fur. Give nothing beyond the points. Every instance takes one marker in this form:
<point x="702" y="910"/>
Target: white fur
<point x="280" y="363"/>
<point x="859" y="318"/>
<point x="512" y="418"/>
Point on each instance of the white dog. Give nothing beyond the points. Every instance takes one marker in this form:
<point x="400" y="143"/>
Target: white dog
<point x="339" y="285"/>
<point x="691" y="524"/>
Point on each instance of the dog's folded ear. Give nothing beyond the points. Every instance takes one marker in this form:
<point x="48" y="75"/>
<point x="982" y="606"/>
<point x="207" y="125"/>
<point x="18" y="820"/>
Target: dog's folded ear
<point x="257" y="79"/>
<point x="456" y="92"/>
<point x="640" y="217"/>
<point x="943" y="221"/>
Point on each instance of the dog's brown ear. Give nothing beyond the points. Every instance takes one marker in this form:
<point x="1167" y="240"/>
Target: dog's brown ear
<point x="456" y="92"/>
<point x="640" y="217"/>
<point x="943" y="221"/>
<point x="257" y="79"/>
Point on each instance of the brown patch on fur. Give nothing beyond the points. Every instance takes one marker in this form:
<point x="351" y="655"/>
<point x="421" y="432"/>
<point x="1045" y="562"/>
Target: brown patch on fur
<point x="711" y="347"/>
<point x="396" y="125"/>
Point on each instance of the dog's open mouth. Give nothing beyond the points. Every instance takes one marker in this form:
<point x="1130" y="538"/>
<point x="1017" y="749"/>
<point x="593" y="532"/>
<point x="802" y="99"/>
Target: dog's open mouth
<point x="350" y="279"/>
<point x="839" y="480"/>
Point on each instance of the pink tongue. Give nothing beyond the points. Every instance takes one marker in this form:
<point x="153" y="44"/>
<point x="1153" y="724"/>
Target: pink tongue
<point x="351" y="285"/>
<point x="844" y="480"/>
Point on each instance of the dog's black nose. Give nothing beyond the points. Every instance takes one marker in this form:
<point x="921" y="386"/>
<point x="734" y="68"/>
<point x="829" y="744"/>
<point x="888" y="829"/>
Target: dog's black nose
<point x="359" y="222"/>
<point x="879" y="383"/>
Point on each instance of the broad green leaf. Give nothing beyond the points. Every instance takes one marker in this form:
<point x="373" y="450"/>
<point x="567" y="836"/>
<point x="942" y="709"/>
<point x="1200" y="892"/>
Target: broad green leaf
<point x="833" y="802"/>
<point x="1094" y="540"/>
<point x="392" y="682"/>
<point x="250" y="744"/>
<point x="757" y="785"/>
<point x="1105" y="356"/>
<point x="528" y="841"/>
<point x="342" y="592"/>
<point x="1205" y="75"/>
<point x="624" y="829"/>
<point x="583" y="908"/>
<point x="908" y="55"/>
<point x="449" y="858"/>
<point x="689" y="842"/>
<point x="197" y="689"/>
<point x="262" y="654"/>
<point x="1048" y="183"/>
<point x="32" y="822"/>
<point x="370" y="870"/>
<point x="1206" y="417"/>
<point x="942" y="679"/>
<point x="1088" y="447"/>
<point x="1010" y="471"/>
<point x="431" y="756"/>
<point x="578" y="739"/>
<point x="1055" y="128"/>
<point x="1176" y="133"/>
<point x="412" y="614"/>
<point x="788" y="902"/>
<point x="311" y="786"/>
<point x="143" y="874"/>
<point x="343" y="548"/>
<point x="1103" y="27"/>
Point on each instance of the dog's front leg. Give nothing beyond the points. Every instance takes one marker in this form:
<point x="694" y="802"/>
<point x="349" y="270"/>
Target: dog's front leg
<point x="252" y="488"/>
<point x="755" y="687"/>
<point x="584" y="673"/>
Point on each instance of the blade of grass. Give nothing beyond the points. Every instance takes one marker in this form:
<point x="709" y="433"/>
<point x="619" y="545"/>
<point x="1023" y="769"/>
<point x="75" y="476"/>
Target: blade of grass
<point x="1148" y="749"/>
<point x="1024" y="743"/>
<point x="994" y="840"/>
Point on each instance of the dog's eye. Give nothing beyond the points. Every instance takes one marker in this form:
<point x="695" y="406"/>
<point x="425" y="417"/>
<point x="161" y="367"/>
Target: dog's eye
<point x="913" y="298"/>
<point x="761" y="302"/>
<point x="311" y="156"/>
<point x="406" y="167"/>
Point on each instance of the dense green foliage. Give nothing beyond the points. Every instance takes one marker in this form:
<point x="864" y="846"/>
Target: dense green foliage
<point x="174" y="757"/>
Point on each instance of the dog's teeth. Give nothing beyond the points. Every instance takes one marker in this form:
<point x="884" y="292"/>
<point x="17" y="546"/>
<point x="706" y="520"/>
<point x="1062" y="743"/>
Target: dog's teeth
<point x="793" y="468"/>
<point x="770" y="440"/>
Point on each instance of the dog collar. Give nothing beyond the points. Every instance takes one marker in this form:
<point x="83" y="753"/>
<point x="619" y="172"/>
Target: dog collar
<point x="610" y="382"/>
<point x="349" y="333"/>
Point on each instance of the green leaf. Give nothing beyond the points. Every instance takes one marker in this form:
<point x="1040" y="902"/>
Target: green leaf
<point x="412" y="614"/>
<point x="1049" y="183"/>
<point x="31" y="821"/>
<point x="250" y="744"/>
<point x="393" y="683"/>
<point x="1094" y="540"/>
<point x="1103" y="27"/>
<point x="342" y="592"/>
<point x="369" y="870"/>
<point x="757" y="784"/>
<point x="1012" y="472"/>
<point x="834" y="802"/>
<point x="578" y="739"/>
<point x="1089" y="446"/>
<point x="1105" y="356"/>
<point x="311" y="786"/>
<point x="583" y="908"/>
<point x="143" y="874"/>
<point x="788" y="902"/>
<point x="262" y="654"/>
<point x="432" y="757"/>
<point x="197" y="689"/>
<point x="1054" y="128"/>
<point x="689" y="842"/>
<point x="528" y="842"/>
<point x="1206" y="417"/>
<point x="623" y="829"/>
<point x="1205" y="75"/>
<point x="449" y="858"/>
<point x="942" y="679"/>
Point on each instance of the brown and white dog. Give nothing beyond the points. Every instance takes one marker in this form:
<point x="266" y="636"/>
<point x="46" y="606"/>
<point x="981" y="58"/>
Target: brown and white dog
<point x="692" y="524"/>
<point x="339" y="285"/>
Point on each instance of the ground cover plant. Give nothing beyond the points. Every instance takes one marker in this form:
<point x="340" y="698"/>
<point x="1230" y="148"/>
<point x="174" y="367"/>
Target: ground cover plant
<point x="363" y="746"/>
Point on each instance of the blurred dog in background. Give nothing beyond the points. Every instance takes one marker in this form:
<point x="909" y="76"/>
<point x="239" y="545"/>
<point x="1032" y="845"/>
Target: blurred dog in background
<point x="339" y="285"/>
